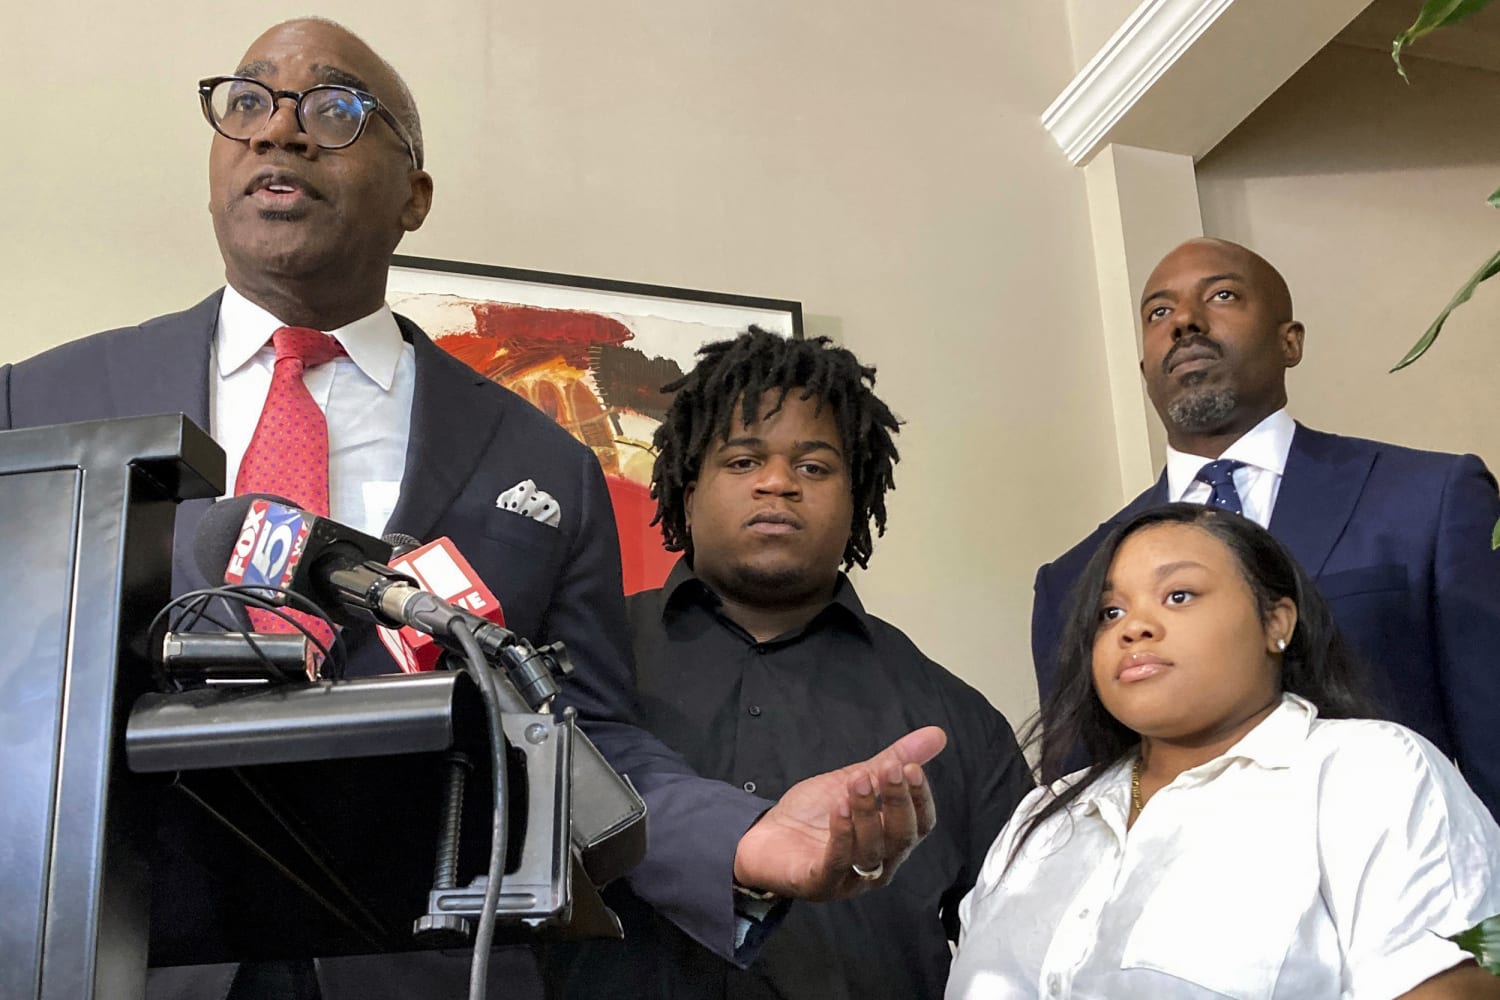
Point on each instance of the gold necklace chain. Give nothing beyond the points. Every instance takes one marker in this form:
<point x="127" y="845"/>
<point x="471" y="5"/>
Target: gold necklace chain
<point x="1135" y="787"/>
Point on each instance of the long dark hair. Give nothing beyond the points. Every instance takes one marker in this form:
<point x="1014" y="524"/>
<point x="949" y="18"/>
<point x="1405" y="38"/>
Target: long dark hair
<point x="1316" y="663"/>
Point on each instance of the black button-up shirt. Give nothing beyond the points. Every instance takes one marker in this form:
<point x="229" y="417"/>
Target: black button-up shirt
<point x="765" y="715"/>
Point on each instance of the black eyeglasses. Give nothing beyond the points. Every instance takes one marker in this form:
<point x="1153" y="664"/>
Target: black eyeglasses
<point x="331" y="115"/>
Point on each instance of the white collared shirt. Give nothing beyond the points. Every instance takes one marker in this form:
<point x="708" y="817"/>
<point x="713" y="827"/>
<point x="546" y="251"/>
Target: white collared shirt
<point x="1263" y="449"/>
<point x="1315" y="858"/>
<point x="366" y="397"/>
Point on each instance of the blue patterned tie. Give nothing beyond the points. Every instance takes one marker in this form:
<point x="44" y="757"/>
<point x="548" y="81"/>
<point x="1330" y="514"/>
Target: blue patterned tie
<point x="1219" y="475"/>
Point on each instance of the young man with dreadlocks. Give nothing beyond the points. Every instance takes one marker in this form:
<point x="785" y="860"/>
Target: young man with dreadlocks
<point x="757" y="662"/>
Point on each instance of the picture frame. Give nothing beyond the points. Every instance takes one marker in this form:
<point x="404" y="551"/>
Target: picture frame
<point x="592" y="353"/>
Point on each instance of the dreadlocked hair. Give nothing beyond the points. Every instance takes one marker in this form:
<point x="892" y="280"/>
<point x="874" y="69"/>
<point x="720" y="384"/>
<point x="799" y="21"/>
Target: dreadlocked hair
<point x="741" y="371"/>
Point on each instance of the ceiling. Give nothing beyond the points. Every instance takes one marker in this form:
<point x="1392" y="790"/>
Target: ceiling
<point x="1474" y="42"/>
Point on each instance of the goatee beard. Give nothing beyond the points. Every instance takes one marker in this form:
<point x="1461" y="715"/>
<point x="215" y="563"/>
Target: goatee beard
<point x="1201" y="411"/>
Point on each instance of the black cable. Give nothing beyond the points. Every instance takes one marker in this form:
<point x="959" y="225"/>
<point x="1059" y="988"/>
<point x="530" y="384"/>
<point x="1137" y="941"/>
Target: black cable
<point x="255" y="597"/>
<point x="479" y="669"/>
<point x="193" y="607"/>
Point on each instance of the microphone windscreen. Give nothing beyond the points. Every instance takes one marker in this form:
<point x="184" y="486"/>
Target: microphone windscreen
<point x="220" y="530"/>
<point x="400" y="543"/>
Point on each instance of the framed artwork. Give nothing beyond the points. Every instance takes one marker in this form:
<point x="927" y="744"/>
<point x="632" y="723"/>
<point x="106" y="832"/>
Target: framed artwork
<point x="592" y="354"/>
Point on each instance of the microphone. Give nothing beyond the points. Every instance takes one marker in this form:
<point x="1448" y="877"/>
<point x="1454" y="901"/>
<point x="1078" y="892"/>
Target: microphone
<point x="401" y="543"/>
<point x="460" y="595"/>
<point x="264" y="541"/>
<point x="440" y="569"/>
<point x="344" y="572"/>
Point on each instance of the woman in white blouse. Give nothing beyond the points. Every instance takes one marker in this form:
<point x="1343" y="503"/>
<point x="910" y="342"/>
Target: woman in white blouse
<point x="1249" y="831"/>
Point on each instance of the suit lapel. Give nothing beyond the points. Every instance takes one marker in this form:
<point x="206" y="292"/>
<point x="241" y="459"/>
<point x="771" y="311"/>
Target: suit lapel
<point x="1153" y="497"/>
<point x="172" y="377"/>
<point x="1323" y="481"/>
<point x="455" y="414"/>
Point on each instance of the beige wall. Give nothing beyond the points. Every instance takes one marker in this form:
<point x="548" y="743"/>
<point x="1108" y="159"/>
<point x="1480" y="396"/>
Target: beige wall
<point x="882" y="162"/>
<point x="1369" y="196"/>
<point x="1092" y="23"/>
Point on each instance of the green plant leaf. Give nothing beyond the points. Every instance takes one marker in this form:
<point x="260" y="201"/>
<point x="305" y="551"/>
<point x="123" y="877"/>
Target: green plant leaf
<point x="1435" y="14"/>
<point x="1483" y="942"/>
<point x="1495" y="536"/>
<point x="1494" y="199"/>
<point x="1489" y="270"/>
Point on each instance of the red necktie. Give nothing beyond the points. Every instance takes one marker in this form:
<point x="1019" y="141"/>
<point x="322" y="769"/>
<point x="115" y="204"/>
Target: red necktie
<point x="288" y="453"/>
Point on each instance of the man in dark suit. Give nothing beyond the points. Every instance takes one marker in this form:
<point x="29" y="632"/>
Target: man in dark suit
<point x="315" y="175"/>
<point x="1397" y="539"/>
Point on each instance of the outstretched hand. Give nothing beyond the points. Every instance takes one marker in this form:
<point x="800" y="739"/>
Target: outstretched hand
<point x="871" y="814"/>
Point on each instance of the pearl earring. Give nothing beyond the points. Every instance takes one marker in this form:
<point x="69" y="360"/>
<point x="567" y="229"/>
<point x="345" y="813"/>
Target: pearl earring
<point x="1281" y="645"/>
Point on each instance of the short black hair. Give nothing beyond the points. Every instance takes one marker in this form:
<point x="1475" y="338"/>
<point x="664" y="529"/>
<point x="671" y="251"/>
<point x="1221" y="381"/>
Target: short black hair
<point x="741" y="371"/>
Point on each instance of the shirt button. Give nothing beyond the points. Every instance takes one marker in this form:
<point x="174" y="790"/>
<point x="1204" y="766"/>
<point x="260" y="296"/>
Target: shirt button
<point x="755" y="711"/>
<point x="1054" y="985"/>
<point x="1083" y="914"/>
<point x="750" y="787"/>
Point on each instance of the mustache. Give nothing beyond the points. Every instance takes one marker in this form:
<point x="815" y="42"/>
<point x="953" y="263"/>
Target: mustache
<point x="1187" y="343"/>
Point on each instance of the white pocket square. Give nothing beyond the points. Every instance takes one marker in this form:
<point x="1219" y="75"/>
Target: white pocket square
<point x="528" y="501"/>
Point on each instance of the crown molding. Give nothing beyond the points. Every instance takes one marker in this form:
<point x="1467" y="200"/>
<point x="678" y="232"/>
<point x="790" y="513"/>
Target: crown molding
<point x="1151" y="40"/>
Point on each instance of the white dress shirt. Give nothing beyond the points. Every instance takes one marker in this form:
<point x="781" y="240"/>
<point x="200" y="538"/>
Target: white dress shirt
<point x="1315" y="858"/>
<point x="1263" y="449"/>
<point x="366" y="398"/>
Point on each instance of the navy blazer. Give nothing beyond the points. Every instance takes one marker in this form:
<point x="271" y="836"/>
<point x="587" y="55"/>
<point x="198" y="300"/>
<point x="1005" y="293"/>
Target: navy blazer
<point x="470" y="440"/>
<point x="1398" y="541"/>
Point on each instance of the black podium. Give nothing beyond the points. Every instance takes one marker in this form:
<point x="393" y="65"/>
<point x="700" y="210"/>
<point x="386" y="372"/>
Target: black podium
<point x="218" y="825"/>
<point x="86" y="515"/>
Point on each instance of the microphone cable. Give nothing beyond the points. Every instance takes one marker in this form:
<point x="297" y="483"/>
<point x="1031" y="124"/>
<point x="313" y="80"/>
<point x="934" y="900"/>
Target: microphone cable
<point x="477" y="666"/>
<point x="193" y="607"/>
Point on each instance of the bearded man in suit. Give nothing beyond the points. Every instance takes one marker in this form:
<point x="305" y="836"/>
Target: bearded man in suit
<point x="1398" y="540"/>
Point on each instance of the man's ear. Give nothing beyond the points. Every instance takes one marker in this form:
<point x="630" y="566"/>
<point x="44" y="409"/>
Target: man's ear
<point x="688" y="492"/>
<point x="414" y="213"/>
<point x="1290" y="335"/>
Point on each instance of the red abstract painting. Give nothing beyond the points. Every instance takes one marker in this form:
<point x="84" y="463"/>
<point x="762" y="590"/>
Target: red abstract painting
<point x="595" y="367"/>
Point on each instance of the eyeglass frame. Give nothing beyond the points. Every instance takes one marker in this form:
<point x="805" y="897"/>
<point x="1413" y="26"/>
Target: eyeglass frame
<point x="367" y="101"/>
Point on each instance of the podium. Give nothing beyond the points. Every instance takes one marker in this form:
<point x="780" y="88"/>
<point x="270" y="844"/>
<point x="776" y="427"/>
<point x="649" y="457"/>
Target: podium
<point x="86" y="548"/>
<point x="139" y="827"/>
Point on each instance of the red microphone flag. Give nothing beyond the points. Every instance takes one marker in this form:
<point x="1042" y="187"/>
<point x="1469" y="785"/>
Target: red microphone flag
<point x="442" y="571"/>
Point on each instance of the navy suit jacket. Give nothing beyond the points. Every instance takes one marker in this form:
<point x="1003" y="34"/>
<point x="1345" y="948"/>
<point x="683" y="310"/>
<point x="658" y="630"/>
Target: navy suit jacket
<point x="470" y="440"/>
<point x="1398" y="541"/>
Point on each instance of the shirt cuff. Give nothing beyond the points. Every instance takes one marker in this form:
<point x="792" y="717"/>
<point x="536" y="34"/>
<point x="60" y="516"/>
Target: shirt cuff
<point x="754" y="921"/>
<point x="1401" y="971"/>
